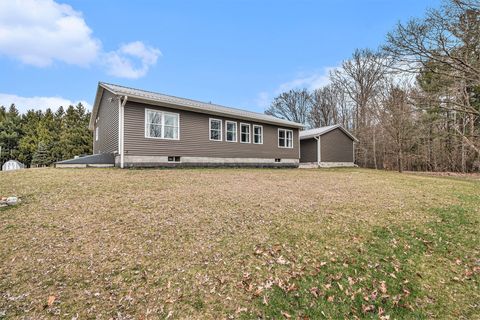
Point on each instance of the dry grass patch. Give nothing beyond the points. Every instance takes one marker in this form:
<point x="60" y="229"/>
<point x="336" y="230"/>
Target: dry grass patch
<point x="200" y="243"/>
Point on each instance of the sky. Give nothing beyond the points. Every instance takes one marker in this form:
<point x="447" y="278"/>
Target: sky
<point x="239" y="53"/>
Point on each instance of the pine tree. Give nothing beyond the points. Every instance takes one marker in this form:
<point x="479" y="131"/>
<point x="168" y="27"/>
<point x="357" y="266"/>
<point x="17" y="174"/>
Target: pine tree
<point x="41" y="157"/>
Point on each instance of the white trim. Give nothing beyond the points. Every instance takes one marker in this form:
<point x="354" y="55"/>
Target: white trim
<point x="249" y="132"/>
<point x="307" y="134"/>
<point x="147" y="136"/>
<point x="353" y="151"/>
<point x="278" y="138"/>
<point x="319" y="149"/>
<point x="122" y="128"/>
<point x="226" y="130"/>
<point x="210" y="129"/>
<point x="261" y="135"/>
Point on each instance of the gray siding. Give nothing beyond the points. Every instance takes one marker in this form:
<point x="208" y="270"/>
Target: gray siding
<point x="194" y="138"/>
<point x="308" y="150"/>
<point x="107" y="125"/>
<point x="336" y="146"/>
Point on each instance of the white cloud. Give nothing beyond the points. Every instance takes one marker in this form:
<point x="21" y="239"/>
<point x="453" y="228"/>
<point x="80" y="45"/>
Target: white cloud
<point x="42" y="32"/>
<point x="120" y="64"/>
<point x="26" y="103"/>
<point x="38" y="32"/>
<point x="309" y="81"/>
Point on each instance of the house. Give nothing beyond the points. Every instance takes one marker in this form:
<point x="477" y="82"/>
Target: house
<point x="331" y="146"/>
<point x="11" y="165"/>
<point x="147" y="129"/>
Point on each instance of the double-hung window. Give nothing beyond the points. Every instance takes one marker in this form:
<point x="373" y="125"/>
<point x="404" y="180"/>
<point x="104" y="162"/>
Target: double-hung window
<point x="257" y="134"/>
<point x="161" y="125"/>
<point x="215" y="129"/>
<point x="285" y="138"/>
<point x="244" y="133"/>
<point x="230" y="131"/>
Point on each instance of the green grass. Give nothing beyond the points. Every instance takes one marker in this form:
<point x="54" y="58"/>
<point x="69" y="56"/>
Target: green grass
<point x="239" y="243"/>
<point x="383" y="277"/>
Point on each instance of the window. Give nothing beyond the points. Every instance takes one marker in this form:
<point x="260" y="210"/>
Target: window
<point x="96" y="134"/>
<point x="285" y="138"/>
<point x="257" y="134"/>
<point x="230" y="131"/>
<point x="244" y="133"/>
<point x="161" y="125"/>
<point x="215" y="129"/>
<point x="173" y="159"/>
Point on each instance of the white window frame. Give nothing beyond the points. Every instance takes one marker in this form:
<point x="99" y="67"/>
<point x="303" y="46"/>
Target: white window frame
<point x="226" y="130"/>
<point x="210" y="129"/>
<point x="249" y="132"/>
<point x="278" y="138"/>
<point x="96" y="133"/>
<point x="163" y="113"/>
<point x="261" y="134"/>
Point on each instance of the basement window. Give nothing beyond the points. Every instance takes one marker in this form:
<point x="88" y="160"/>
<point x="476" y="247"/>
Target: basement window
<point x="173" y="159"/>
<point x="278" y="160"/>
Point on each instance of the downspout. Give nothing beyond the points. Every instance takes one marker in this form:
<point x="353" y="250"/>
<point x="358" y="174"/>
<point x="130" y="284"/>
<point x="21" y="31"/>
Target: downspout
<point x="121" y="123"/>
<point x="319" y="154"/>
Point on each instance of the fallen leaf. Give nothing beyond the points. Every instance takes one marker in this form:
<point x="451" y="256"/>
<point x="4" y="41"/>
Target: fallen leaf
<point x="286" y="315"/>
<point x="51" y="300"/>
<point x="331" y="298"/>
<point x="383" y="287"/>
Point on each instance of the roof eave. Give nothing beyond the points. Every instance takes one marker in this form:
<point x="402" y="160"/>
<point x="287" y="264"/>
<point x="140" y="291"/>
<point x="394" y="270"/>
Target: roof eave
<point x="224" y="114"/>
<point x="351" y="136"/>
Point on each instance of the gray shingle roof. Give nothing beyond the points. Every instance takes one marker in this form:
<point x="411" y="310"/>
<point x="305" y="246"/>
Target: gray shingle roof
<point x="306" y="134"/>
<point x="103" y="158"/>
<point x="194" y="105"/>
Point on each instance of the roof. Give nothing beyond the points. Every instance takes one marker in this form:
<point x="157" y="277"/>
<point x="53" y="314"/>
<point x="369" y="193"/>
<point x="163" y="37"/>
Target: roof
<point x="102" y="158"/>
<point x="306" y="134"/>
<point x="155" y="98"/>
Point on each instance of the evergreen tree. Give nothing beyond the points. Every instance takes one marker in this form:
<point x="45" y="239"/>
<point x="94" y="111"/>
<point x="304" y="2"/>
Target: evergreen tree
<point x="41" y="157"/>
<point x="10" y="133"/>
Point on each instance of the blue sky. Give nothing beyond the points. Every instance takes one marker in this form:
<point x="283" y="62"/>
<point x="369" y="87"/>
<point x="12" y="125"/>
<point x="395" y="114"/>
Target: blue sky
<point x="236" y="53"/>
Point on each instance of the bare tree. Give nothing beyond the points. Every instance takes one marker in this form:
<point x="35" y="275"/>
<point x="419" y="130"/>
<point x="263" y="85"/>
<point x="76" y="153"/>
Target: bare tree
<point x="396" y="118"/>
<point x="445" y="46"/>
<point x="324" y="110"/>
<point x="293" y="105"/>
<point x="359" y="77"/>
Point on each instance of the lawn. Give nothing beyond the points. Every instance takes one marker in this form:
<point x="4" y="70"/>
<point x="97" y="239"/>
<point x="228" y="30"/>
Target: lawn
<point x="239" y="243"/>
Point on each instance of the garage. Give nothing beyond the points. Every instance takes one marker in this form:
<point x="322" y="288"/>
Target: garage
<point x="331" y="146"/>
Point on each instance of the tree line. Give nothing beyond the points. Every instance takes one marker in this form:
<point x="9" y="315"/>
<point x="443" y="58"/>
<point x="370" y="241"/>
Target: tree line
<point x="40" y="138"/>
<point x="414" y="103"/>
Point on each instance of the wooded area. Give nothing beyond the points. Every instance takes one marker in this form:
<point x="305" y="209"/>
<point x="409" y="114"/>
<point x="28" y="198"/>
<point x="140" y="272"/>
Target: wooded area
<point x="39" y="138"/>
<point x="414" y="104"/>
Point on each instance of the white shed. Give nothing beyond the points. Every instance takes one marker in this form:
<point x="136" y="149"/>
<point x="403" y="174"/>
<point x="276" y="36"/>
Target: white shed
<point x="12" y="165"/>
